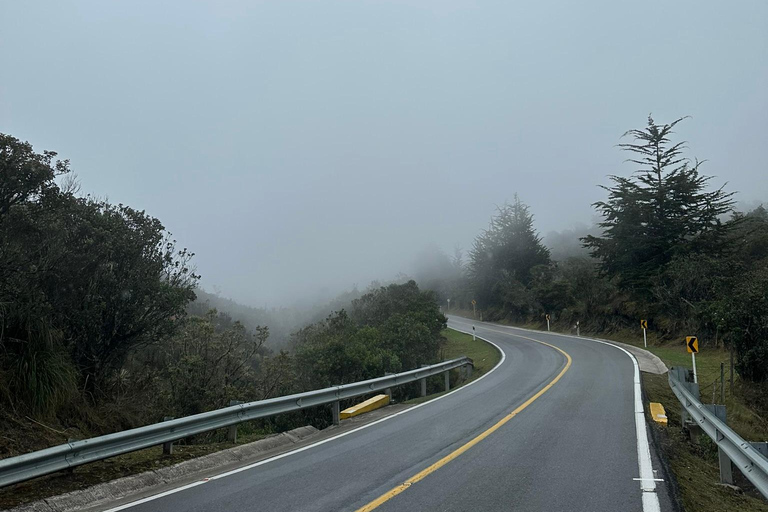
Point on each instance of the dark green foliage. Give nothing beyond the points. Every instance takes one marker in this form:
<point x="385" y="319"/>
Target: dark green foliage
<point x="82" y="283"/>
<point x="207" y="362"/>
<point x="661" y="212"/>
<point x="390" y="329"/>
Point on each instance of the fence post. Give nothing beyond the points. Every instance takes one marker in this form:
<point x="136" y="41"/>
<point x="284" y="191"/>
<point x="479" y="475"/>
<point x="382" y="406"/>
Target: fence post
<point x="232" y="432"/>
<point x="447" y="374"/>
<point x="336" y="412"/>
<point x="168" y="447"/>
<point x="722" y="382"/>
<point x="731" y="389"/>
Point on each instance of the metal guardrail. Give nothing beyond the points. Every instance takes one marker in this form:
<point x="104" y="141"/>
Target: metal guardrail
<point x="57" y="458"/>
<point x="744" y="456"/>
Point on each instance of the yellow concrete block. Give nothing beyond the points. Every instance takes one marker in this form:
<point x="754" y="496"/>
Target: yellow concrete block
<point x="369" y="405"/>
<point x="658" y="413"/>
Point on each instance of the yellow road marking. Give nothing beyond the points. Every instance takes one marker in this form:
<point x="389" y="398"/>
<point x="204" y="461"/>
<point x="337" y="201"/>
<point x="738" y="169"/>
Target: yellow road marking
<point x="448" y="458"/>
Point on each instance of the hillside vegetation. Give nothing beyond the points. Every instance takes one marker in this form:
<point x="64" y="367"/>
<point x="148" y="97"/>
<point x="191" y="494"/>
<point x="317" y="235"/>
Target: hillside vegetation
<point x="101" y="330"/>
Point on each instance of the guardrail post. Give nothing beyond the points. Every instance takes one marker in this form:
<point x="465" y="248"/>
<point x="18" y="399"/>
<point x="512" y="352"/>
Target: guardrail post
<point x="335" y="408"/>
<point x="168" y="447"/>
<point x="232" y="432"/>
<point x="683" y="377"/>
<point x="469" y="368"/>
<point x="447" y="374"/>
<point x="726" y="470"/>
<point x="761" y="447"/>
<point x="388" y="391"/>
<point x="423" y="382"/>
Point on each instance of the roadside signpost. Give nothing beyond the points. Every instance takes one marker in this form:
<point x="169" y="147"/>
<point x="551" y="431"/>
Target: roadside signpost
<point x="547" y="322"/>
<point x="644" y="325"/>
<point x="692" y="344"/>
<point x="474" y="311"/>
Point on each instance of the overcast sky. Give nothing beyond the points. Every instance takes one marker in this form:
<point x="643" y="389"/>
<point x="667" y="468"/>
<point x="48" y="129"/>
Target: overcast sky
<point x="295" y="146"/>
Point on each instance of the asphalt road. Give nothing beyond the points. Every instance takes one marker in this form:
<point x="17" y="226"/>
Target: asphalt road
<point x="574" y="447"/>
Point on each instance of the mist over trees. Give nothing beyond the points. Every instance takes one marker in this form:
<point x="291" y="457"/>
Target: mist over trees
<point x="669" y="248"/>
<point x="103" y="327"/>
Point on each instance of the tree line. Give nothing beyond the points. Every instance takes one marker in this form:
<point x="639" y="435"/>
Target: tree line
<point x="670" y="248"/>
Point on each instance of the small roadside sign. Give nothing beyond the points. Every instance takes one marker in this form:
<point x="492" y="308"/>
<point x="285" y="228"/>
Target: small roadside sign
<point x="474" y="302"/>
<point x="644" y="324"/>
<point x="692" y="344"/>
<point x="547" y="317"/>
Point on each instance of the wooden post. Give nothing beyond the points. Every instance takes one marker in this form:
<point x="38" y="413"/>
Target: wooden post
<point x="722" y="383"/>
<point x="731" y="371"/>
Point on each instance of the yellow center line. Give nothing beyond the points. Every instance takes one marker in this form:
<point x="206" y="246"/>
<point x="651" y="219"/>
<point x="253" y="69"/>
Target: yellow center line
<point x="448" y="458"/>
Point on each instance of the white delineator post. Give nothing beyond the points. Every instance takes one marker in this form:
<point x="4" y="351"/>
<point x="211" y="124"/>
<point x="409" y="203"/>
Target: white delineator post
<point x="473" y="333"/>
<point x="695" y="377"/>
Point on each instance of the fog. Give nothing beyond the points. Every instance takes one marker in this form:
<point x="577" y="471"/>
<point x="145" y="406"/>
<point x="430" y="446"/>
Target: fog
<point x="300" y="148"/>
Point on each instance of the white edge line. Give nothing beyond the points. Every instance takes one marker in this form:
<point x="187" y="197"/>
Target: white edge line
<point x="645" y="466"/>
<point x="303" y="448"/>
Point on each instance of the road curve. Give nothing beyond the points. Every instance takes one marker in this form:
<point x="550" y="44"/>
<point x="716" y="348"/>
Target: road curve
<point x="572" y="445"/>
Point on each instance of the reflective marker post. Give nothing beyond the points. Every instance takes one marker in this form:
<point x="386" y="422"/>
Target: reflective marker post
<point x="695" y="377"/>
<point x="473" y="336"/>
<point x="547" y="323"/>
<point x="645" y="338"/>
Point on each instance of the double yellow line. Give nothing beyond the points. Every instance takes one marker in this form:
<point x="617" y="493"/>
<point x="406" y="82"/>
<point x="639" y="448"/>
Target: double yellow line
<point x="448" y="458"/>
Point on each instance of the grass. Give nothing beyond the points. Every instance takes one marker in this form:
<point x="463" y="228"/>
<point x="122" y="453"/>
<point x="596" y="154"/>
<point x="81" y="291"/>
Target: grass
<point x="484" y="355"/>
<point x="742" y="417"/>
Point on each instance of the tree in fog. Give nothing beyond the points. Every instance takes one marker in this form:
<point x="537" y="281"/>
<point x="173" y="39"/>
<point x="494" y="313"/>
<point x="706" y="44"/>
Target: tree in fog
<point x="503" y="256"/>
<point x="662" y="211"/>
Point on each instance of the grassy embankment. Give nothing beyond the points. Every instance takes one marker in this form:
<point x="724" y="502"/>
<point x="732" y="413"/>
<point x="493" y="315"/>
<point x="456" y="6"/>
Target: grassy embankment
<point x="696" y="465"/>
<point x="484" y="355"/>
